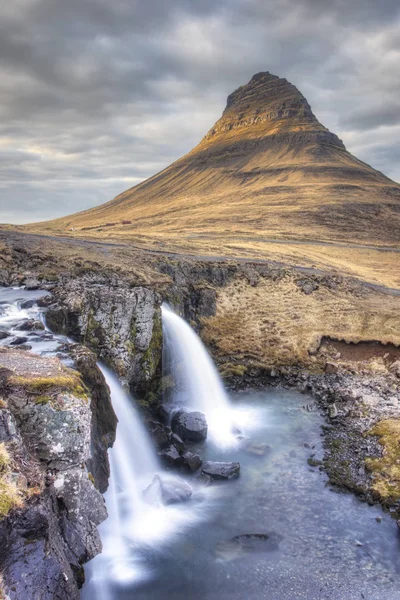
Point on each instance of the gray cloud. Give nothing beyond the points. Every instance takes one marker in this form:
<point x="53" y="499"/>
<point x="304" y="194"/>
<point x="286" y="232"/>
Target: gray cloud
<point x="98" y="95"/>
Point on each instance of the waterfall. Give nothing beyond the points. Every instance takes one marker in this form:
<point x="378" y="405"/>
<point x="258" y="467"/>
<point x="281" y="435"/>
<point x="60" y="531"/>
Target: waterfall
<point x="137" y="526"/>
<point x="134" y="525"/>
<point x="199" y="386"/>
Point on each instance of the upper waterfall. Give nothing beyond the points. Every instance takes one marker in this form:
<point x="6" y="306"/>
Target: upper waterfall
<point x="197" y="377"/>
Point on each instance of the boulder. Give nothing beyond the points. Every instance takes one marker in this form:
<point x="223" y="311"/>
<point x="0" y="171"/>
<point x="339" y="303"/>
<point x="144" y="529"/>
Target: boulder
<point x="192" y="461"/>
<point x="3" y="335"/>
<point x="30" y="325"/>
<point x="221" y="470"/>
<point x="17" y="341"/>
<point x="167" y="491"/>
<point x="190" y="425"/>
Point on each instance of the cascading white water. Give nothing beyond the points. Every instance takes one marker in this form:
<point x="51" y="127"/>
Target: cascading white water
<point x="133" y="523"/>
<point x="195" y="372"/>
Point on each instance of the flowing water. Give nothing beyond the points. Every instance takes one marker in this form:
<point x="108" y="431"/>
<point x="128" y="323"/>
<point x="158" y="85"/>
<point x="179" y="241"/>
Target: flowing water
<point x="199" y="385"/>
<point x="276" y="533"/>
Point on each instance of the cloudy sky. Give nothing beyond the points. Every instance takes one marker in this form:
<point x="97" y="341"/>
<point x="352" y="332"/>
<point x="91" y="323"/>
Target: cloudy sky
<point x="96" y="95"/>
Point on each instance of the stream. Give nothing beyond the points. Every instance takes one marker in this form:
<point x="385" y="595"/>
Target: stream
<point x="278" y="532"/>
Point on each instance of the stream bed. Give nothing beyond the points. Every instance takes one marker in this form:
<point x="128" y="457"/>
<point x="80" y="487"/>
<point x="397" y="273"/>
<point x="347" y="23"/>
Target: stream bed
<point x="312" y="543"/>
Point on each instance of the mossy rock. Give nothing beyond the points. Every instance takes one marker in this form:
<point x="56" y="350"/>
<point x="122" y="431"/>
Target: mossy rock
<point x="385" y="470"/>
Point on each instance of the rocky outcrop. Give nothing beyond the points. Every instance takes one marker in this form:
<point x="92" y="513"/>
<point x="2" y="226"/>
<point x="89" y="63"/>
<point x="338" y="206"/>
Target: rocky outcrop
<point x="46" y="428"/>
<point x="121" y="323"/>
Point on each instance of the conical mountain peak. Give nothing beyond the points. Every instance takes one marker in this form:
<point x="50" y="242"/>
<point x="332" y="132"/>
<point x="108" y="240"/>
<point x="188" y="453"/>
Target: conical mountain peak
<point x="267" y="169"/>
<point x="267" y="105"/>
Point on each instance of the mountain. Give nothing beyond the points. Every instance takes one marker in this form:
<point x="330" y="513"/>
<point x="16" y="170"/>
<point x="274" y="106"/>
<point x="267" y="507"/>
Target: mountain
<point x="267" y="169"/>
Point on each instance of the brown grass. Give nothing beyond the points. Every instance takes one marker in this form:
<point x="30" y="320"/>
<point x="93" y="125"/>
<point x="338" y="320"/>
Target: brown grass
<point x="275" y="323"/>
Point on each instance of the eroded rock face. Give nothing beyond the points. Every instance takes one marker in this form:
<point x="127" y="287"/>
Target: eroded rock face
<point x="46" y="426"/>
<point x="122" y="324"/>
<point x="104" y="420"/>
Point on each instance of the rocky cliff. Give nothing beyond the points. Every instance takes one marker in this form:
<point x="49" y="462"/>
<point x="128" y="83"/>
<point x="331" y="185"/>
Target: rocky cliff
<point x="50" y="505"/>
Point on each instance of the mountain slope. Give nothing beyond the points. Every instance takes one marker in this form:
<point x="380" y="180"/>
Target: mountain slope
<point x="267" y="169"/>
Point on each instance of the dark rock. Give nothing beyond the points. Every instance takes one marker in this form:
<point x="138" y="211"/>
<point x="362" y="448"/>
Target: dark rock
<point x="190" y="425"/>
<point x="28" y="303"/>
<point x="44" y="301"/>
<point x="4" y="335"/>
<point x="307" y="286"/>
<point x="33" y="558"/>
<point x="24" y="347"/>
<point x="221" y="470"/>
<point x="167" y="491"/>
<point x="161" y="434"/>
<point x="177" y="442"/>
<point x="30" y="325"/>
<point x="192" y="461"/>
<point x="17" y="341"/>
<point x="171" y="457"/>
<point x="330" y="368"/>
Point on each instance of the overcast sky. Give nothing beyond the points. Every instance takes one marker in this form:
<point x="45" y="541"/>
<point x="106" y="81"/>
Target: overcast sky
<point x="96" y="95"/>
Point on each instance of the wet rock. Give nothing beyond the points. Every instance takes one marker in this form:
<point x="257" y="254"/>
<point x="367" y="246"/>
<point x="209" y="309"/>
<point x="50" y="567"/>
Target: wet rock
<point x="204" y="479"/>
<point x="167" y="491"/>
<point x="221" y="470"/>
<point x="161" y="434"/>
<point x="177" y="442"/>
<point x="28" y="303"/>
<point x="192" y="461"/>
<point x="31" y="325"/>
<point x="171" y="457"/>
<point x="258" y="449"/>
<point x="17" y="341"/>
<point x="4" y="335"/>
<point x="247" y="543"/>
<point x="190" y="425"/>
